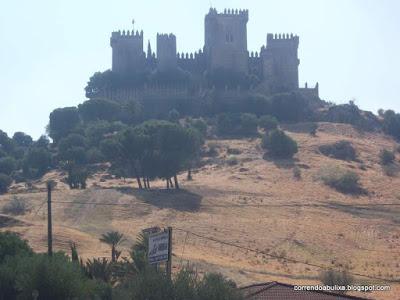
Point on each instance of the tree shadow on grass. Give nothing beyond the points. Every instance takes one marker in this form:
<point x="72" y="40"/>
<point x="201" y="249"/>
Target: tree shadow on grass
<point x="282" y="163"/>
<point x="6" y="221"/>
<point x="181" y="200"/>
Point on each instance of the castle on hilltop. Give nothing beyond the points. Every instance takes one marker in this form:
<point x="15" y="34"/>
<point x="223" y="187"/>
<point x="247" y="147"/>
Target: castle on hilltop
<point x="225" y="48"/>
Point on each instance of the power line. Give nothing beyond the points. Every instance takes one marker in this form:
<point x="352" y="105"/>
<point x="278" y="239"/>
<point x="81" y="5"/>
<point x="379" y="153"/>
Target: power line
<point x="328" y="205"/>
<point x="280" y="257"/>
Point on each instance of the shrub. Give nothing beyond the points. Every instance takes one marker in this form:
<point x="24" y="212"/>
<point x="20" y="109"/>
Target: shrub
<point x="340" y="150"/>
<point x="386" y="157"/>
<point x="248" y="124"/>
<point x="268" y="122"/>
<point x="16" y="206"/>
<point x="53" y="277"/>
<point x="313" y="129"/>
<point x="296" y="173"/>
<point x="216" y="287"/>
<point x="233" y="124"/>
<point x="232" y="160"/>
<point x="332" y="278"/>
<point x="212" y="149"/>
<point x="279" y="145"/>
<point x="150" y="284"/>
<point x="11" y="245"/>
<point x="233" y="151"/>
<point x="390" y="170"/>
<point x="5" y="182"/>
<point x="342" y="180"/>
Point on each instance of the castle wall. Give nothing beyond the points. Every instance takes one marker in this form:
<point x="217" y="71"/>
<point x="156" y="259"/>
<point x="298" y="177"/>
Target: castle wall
<point x="309" y="92"/>
<point x="194" y="63"/>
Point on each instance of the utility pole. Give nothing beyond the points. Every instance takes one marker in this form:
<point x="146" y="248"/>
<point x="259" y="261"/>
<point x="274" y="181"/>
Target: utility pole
<point x="50" y="185"/>
<point x="169" y="262"/>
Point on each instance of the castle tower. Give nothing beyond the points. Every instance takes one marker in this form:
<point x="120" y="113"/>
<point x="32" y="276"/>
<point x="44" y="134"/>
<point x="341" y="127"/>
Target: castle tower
<point x="281" y="63"/>
<point x="127" y="51"/>
<point x="166" y="52"/>
<point x="226" y="40"/>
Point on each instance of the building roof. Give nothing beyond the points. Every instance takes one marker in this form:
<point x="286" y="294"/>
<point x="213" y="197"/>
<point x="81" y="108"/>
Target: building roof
<point x="282" y="291"/>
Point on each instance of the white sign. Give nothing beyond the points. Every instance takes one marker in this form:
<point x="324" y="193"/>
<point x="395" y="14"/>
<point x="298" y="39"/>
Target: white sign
<point x="158" y="247"/>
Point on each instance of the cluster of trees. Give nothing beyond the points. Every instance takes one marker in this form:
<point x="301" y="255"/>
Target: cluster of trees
<point x="99" y="131"/>
<point x="243" y="124"/>
<point x="153" y="149"/>
<point x="25" y="275"/>
<point x="22" y="158"/>
<point x="391" y="122"/>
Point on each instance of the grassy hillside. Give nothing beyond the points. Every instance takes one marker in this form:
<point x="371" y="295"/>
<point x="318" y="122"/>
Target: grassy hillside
<point x="256" y="204"/>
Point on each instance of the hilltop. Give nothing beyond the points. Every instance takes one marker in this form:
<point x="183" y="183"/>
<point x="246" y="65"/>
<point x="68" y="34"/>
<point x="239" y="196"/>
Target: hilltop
<point x="254" y="203"/>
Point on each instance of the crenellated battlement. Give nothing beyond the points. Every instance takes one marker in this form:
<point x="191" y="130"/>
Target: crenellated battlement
<point x="127" y="34"/>
<point x="282" y="39"/>
<point x="166" y="37"/>
<point x="228" y="12"/>
<point x="189" y="56"/>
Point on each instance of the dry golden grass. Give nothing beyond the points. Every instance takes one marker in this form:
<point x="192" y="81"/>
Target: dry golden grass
<point x="255" y="204"/>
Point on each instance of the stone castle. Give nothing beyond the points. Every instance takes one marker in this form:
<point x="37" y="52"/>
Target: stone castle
<point x="275" y="65"/>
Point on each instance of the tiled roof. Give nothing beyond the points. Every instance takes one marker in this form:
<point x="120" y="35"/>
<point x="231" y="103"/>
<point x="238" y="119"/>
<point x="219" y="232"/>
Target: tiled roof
<point x="282" y="291"/>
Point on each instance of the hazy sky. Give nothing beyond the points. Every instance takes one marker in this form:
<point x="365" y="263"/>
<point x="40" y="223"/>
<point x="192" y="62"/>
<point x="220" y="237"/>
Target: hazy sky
<point x="49" y="49"/>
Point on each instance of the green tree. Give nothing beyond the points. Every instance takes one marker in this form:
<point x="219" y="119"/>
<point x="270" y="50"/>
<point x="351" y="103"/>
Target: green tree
<point x="113" y="239"/>
<point x="62" y="122"/>
<point x="21" y="139"/>
<point x="98" y="109"/>
<point x="42" y="142"/>
<point x="51" y="277"/>
<point x="5" y="182"/>
<point x="7" y="165"/>
<point x="279" y="145"/>
<point x="173" y="116"/>
<point x="36" y="162"/>
<point x="11" y="245"/>
<point x="268" y="122"/>
<point x="216" y="287"/>
<point x="6" y="144"/>
<point x="248" y="124"/>
<point x="99" y="269"/>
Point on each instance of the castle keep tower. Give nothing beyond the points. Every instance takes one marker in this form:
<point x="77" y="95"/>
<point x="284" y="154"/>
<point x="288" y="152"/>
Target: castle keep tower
<point x="280" y="62"/>
<point x="166" y="52"/>
<point x="127" y="51"/>
<point x="226" y="40"/>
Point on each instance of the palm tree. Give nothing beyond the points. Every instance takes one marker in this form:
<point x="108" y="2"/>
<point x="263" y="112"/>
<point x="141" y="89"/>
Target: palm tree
<point x="139" y="251"/>
<point x="99" y="269"/>
<point x="113" y="239"/>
